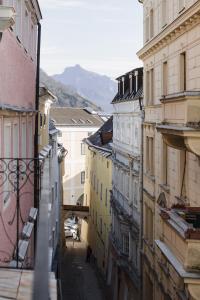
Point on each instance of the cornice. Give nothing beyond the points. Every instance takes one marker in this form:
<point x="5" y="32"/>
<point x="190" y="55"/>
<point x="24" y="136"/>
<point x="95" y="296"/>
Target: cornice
<point x="185" y="22"/>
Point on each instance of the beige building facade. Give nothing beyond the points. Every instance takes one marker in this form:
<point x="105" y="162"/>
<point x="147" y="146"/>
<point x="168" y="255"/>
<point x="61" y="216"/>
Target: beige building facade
<point x="171" y="181"/>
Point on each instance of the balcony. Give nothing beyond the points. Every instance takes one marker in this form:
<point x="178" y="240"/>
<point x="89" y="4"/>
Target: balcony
<point x="7" y="17"/>
<point x="24" y="273"/>
<point x="180" y="121"/>
<point x="181" y="234"/>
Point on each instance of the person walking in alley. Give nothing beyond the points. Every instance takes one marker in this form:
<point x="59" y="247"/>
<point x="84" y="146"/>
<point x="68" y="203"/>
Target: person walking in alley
<point x="88" y="253"/>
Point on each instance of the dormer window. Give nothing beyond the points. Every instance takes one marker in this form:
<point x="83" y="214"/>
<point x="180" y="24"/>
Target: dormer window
<point x="119" y="87"/>
<point x="136" y="81"/>
<point x="131" y="83"/>
<point x="123" y="85"/>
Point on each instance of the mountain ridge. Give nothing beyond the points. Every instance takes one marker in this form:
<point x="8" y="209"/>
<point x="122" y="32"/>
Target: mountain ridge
<point x="67" y="95"/>
<point x="100" y="89"/>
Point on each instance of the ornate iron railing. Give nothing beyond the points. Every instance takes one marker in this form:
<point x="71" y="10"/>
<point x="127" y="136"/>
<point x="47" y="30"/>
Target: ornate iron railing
<point x="19" y="192"/>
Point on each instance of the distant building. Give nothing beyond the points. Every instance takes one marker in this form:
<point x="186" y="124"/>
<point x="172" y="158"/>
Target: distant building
<point x="171" y="243"/>
<point x="98" y="184"/>
<point x="74" y="124"/>
<point x="124" y="252"/>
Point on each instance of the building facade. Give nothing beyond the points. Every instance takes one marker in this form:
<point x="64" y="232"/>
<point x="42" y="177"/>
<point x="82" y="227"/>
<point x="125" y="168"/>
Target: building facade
<point x="74" y="124"/>
<point x="18" y="59"/>
<point x="98" y="184"/>
<point x="124" y="262"/>
<point x="171" y="178"/>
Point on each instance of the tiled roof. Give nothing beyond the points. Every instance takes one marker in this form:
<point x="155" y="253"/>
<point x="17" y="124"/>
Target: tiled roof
<point x="74" y="117"/>
<point x="103" y="137"/>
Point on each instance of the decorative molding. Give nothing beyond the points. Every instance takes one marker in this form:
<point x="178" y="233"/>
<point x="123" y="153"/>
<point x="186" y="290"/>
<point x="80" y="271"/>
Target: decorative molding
<point x="182" y="24"/>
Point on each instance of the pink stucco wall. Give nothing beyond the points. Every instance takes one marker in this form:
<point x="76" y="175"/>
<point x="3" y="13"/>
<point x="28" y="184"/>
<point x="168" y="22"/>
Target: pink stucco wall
<point x="17" y="88"/>
<point x="17" y="73"/>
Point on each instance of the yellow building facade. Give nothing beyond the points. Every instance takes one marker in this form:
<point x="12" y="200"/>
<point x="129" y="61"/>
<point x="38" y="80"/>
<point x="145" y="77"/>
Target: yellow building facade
<point x="98" y="184"/>
<point x="171" y="181"/>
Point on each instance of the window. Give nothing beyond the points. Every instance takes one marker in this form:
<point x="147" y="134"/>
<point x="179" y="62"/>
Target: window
<point x="165" y="79"/>
<point x="125" y="243"/>
<point x="107" y="164"/>
<point x="7" y="187"/>
<point x="26" y="29"/>
<point x="82" y="148"/>
<point x="30" y="137"/>
<point x="23" y="142"/>
<point x="15" y="140"/>
<point x="164" y="12"/>
<point x="165" y="166"/>
<point x="123" y="85"/>
<point x="83" y="177"/>
<point x="151" y="23"/>
<point x="147" y="29"/>
<point x="101" y="227"/>
<point x="106" y="202"/>
<point x="149" y="87"/>
<point x="101" y="191"/>
<point x="131" y="83"/>
<point x="94" y="182"/>
<point x="183" y="72"/>
<point x="56" y="189"/>
<point x="135" y="191"/>
<point x="149" y="224"/>
<point x="97" y="190"/>
<point x="150" y="155"/>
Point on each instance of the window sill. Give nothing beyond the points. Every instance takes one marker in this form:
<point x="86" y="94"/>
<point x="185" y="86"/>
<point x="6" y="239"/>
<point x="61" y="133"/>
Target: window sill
<point x="165" y="187"/>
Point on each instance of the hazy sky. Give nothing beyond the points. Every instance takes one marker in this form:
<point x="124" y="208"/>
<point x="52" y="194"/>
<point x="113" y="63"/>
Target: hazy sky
<point x="101" y="35"/>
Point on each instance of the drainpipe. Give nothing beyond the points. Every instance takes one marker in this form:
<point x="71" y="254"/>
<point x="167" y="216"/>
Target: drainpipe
<point x="141" y="197"/>
<point x="37" y="175"/>
<point x="36" y="179"/>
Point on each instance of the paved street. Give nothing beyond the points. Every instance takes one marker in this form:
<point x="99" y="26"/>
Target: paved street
<point x="79" y="279"/>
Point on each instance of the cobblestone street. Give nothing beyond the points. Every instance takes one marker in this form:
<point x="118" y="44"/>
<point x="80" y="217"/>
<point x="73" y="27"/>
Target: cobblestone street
<point x="79" y="279"/>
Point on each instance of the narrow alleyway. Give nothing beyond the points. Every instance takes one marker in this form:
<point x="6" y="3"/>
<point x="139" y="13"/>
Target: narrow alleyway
<point x="79" y="279"/>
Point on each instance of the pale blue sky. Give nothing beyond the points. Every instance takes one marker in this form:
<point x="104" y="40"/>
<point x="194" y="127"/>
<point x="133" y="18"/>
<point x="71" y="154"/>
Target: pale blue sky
<point x="101" y="35"/>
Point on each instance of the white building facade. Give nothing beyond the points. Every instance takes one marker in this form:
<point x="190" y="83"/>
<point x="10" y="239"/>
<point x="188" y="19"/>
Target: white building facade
<point x="75" y="125"/>
<point x="124" y="246"/>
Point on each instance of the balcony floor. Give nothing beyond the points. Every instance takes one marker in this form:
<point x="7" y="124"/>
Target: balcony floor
<point x="17" y="284"/>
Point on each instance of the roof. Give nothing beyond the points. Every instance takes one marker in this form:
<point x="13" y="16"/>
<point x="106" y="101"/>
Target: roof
<point x="102" y="139"/>
<point x="127" y="95"/>
<point x="75" y="117"/>
<point x="44" y="92"/>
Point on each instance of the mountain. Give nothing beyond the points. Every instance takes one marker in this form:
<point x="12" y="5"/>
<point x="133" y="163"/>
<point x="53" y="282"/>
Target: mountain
<point x="66" y="95"/>
<point x="97" y="88"/>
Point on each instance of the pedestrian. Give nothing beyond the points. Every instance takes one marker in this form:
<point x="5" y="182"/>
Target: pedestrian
<point x="88" y="253"/>
<point x="78" y="235"/>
